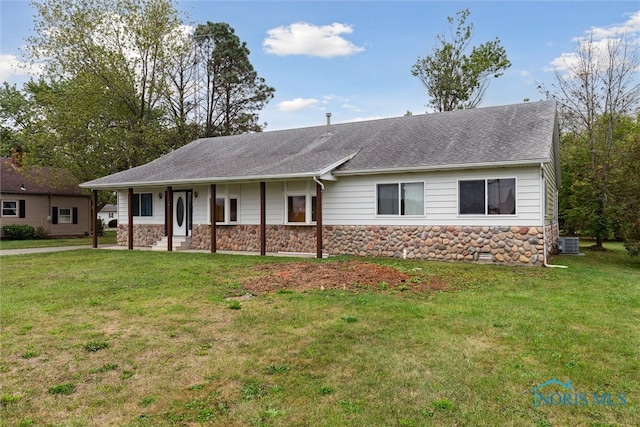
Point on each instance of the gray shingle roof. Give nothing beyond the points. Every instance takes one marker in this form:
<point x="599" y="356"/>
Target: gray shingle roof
<point x="510" y="134"/>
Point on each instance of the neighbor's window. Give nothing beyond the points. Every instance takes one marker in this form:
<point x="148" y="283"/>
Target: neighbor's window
<point x="9" y="208"/>
<point x="405" y="198"/>
<point x="143" y="204"/>
<point x="487" y="197"/>
<point x="64" y="216"/>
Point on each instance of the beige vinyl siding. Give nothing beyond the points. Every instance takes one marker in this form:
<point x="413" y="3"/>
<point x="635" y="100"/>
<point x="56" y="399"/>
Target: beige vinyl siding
<point x="38" y="212"/>
<point x="550" y="182"/>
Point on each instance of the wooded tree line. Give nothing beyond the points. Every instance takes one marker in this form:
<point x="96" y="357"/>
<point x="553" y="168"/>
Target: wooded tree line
<point x="124" y="82"/>
<point x="598" y="93"/>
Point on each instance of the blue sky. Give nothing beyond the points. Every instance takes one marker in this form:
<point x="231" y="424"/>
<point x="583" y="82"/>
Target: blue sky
<point x="353" y="58"/>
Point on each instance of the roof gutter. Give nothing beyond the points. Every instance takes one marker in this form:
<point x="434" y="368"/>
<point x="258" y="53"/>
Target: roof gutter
<point x="208" y="180"/>
<point x="318" y="182"/>
<point x="324" y="172"/>
<point x="424" y="168"/>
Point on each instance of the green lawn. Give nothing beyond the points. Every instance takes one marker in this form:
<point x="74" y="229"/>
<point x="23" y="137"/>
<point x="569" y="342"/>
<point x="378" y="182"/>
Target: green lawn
<point x="108" y="238"/>
<point x="138" y="338"/>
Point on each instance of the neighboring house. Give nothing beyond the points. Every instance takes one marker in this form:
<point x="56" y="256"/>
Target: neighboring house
<point x="42" y="197"/>
<point x="108" y="213"/>
<point x="470" y="185"/>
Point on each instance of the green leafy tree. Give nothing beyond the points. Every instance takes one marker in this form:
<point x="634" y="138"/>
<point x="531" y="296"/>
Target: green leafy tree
<point x="16" y="117"/>
<point x="81" y="129"/>
<point x="233" y="93"/>
<point x="626" y="185"/>
<point x="112" y="53"/>
<point x="454" y="78"/>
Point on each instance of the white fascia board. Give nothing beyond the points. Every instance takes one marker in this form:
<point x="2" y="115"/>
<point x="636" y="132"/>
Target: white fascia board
<point x="200" y="181"/>
<point x="443" y="167"/>
<point x="327" y="172"/>
<point x="324" y="172"/>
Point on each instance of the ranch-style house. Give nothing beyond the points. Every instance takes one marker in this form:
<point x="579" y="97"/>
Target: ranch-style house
<point x="471" y="185"/>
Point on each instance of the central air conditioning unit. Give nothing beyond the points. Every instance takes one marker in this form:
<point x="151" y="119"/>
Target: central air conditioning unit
<point x="568" y="245"/>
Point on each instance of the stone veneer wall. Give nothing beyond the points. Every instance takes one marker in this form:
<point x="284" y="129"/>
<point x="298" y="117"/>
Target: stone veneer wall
<point x="508" y="245"/>
<point x="143" y="234"/>
<point x="505" y="245"/>
<point x="553" y="235"/>
<point x="244" y="238"/>
<point x="280" y="238"/>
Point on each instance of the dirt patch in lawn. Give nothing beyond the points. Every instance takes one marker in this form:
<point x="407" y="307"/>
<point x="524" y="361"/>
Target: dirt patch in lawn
<point x="345" y="275"/>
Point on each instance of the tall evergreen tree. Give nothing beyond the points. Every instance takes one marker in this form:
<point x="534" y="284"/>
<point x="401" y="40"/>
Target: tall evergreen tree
<point x="232" y="92"/>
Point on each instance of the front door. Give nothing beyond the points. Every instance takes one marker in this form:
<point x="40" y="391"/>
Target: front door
<point x="181" y="213"/>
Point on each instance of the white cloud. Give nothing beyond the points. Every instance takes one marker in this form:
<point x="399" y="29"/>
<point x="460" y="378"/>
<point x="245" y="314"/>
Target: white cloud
<point x="297" y="104"/>
<point x="630" y="26"/>
<point x="352" y="108"/>
<point x="12" y="68"/>
<point x="327" y="98"/>
<point x="307" y="39"/>
<point x="600" y="39"/>
<point x="364" y="119"/>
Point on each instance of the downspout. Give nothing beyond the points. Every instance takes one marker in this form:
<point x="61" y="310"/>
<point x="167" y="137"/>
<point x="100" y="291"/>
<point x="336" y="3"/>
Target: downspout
<point x="319" y="236"/>
<point x="544" y="226"/>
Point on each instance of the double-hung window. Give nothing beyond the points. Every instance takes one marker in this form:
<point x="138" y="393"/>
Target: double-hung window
<point x="227" y="204"/>
<point x="64" y="216"/>
<point x="143" y="204"/>
<point x="300" y="203"/>
<point x="9" y="208"/>
<point x="403" y="198"/>
<point x="487" y="197"/>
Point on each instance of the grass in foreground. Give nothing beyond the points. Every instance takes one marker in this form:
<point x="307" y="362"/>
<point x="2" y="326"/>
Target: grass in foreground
<point x="108" y="238"/>
<point x="145" y="339"/>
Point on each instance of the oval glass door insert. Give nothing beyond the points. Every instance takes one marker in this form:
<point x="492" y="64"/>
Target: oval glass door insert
<point x="180" y="211"/>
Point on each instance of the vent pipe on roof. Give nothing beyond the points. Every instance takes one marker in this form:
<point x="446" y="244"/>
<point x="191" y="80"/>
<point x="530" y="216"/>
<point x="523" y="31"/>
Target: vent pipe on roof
<point x="328" y="122"/>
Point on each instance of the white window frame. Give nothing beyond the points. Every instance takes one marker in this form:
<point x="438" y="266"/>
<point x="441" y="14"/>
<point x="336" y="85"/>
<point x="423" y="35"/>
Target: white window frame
<point x="15" y="209"/>
<point x="486" y="197"/>
<point x="64" y="215"/>
<point x="309" y="193"/>
<point x="226" y="193"/>
<point x="399" y="185"/>
<point x="138" y="196"/>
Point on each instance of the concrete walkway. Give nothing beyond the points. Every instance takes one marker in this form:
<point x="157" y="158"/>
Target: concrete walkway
<point x="51" y="249"/>
<point x="124" y="248"/>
